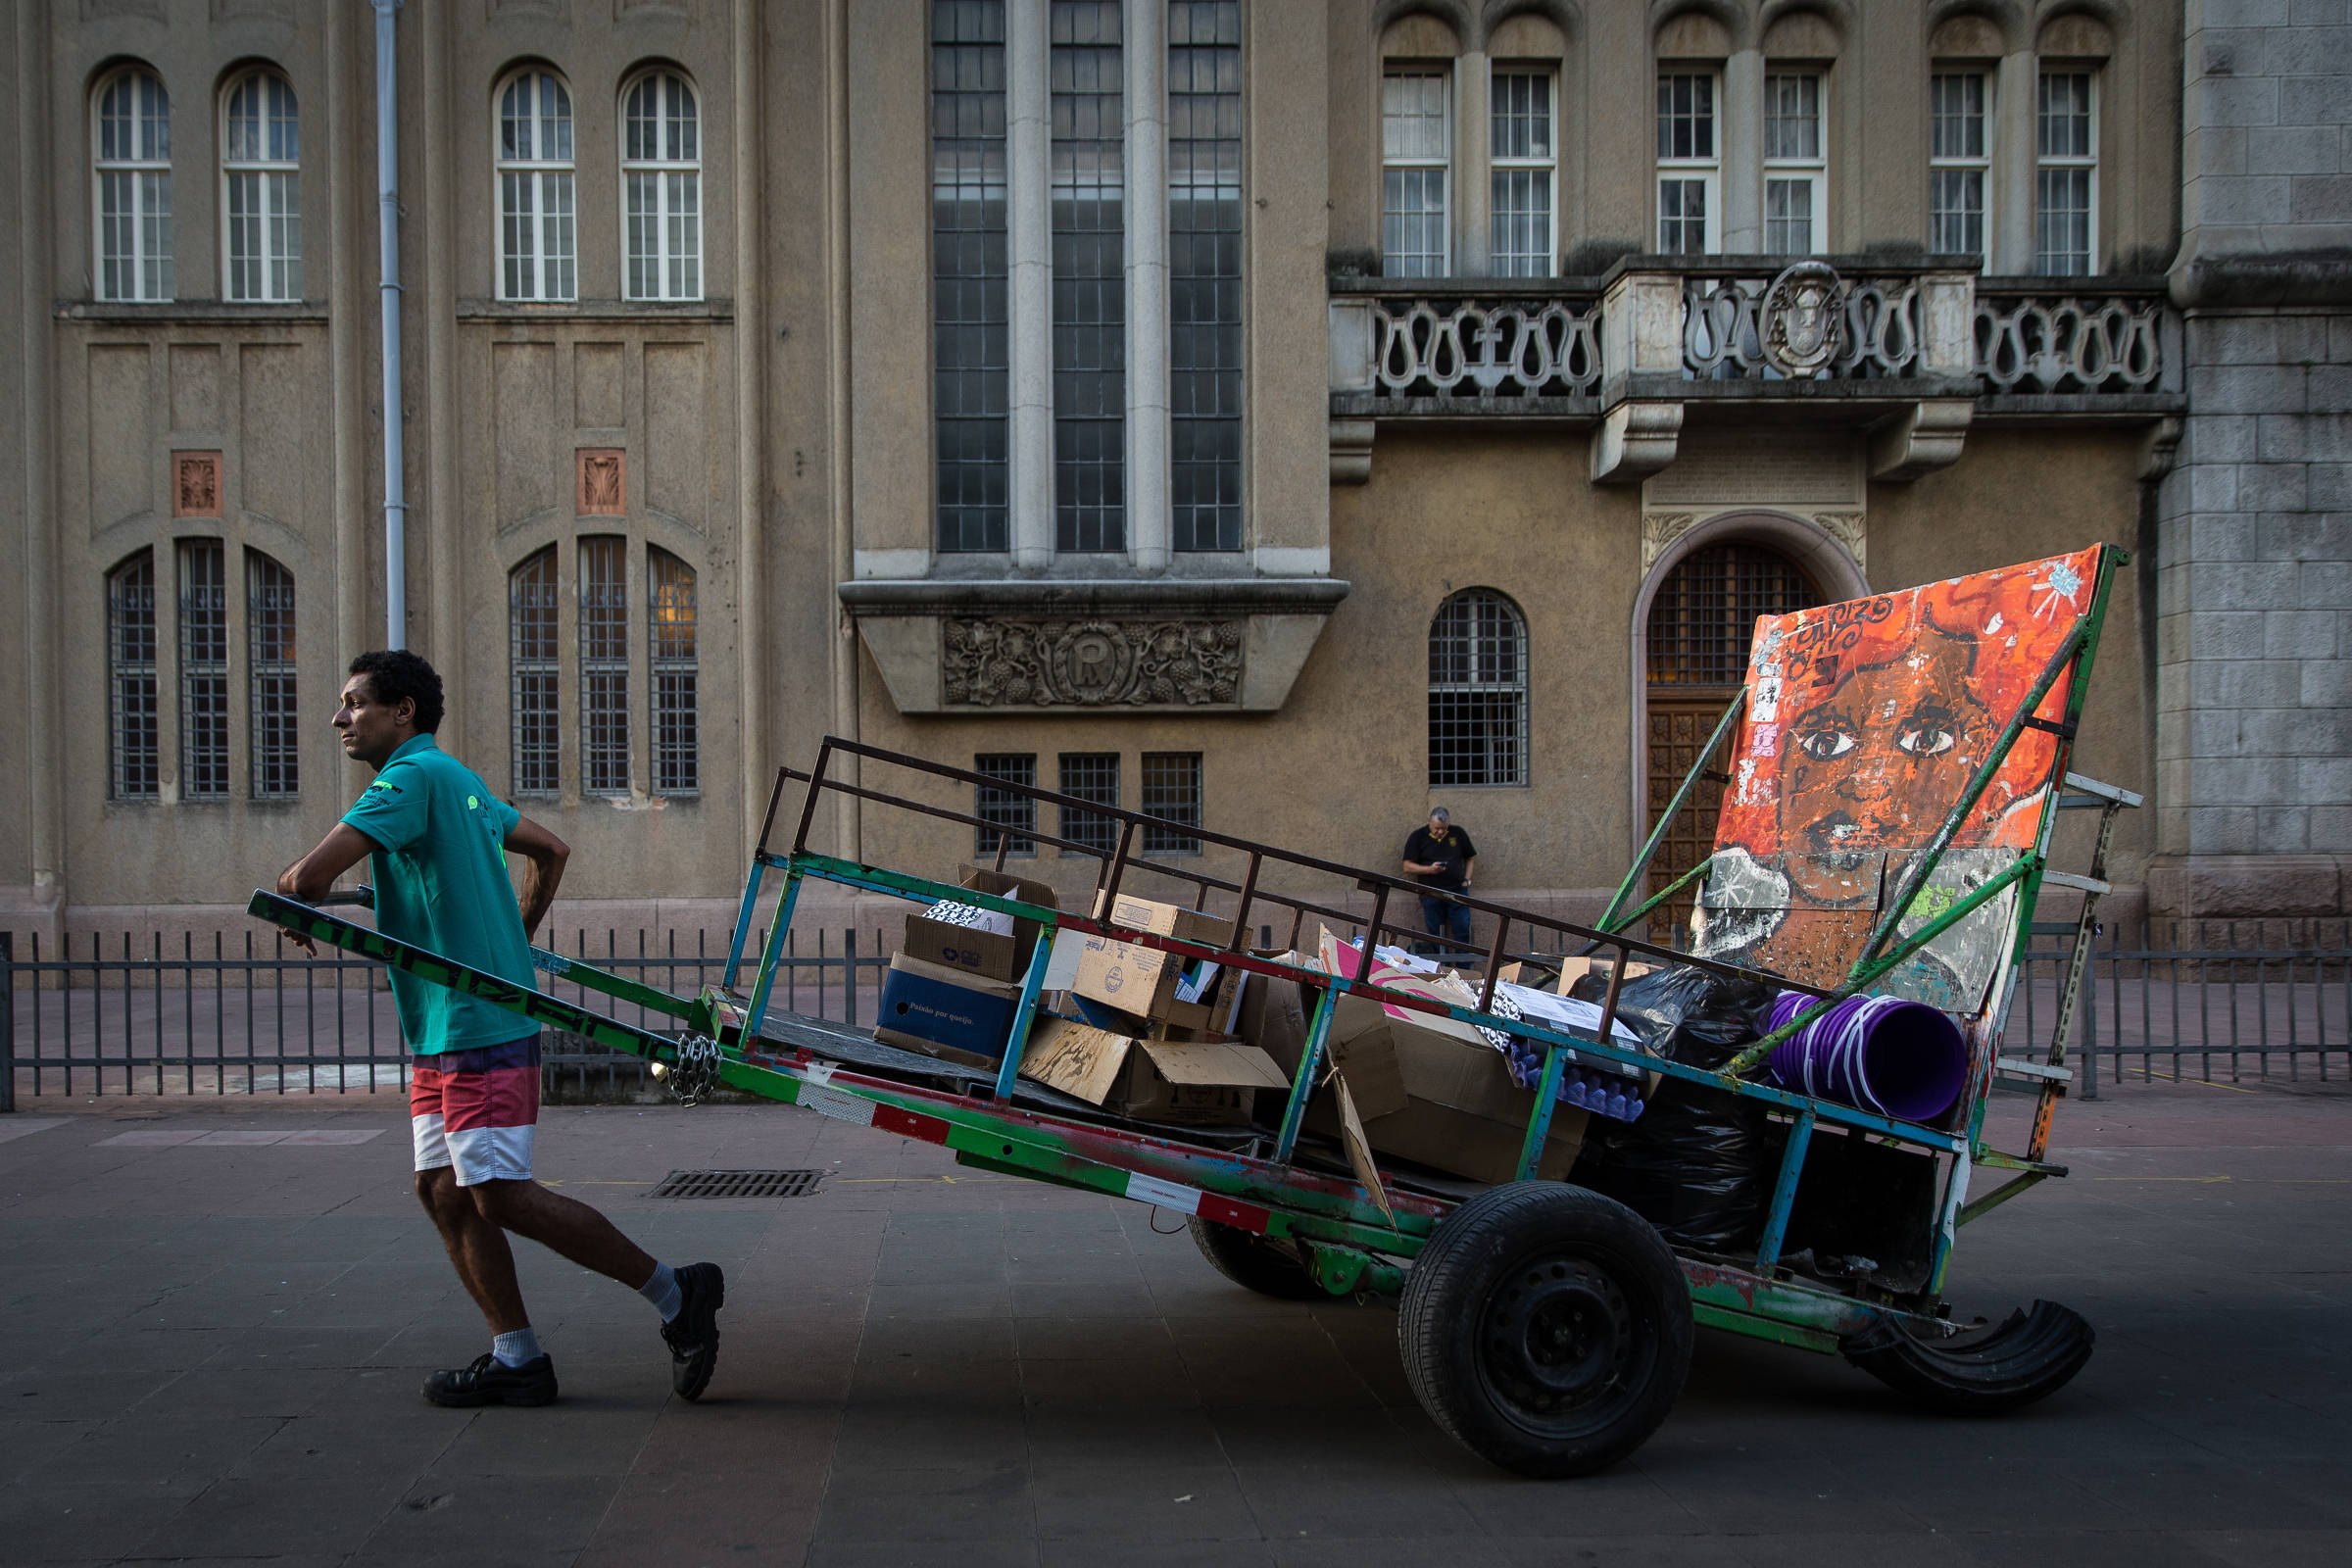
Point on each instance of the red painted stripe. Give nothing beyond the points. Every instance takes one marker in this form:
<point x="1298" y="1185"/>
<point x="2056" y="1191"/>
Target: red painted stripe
<point x="912" y="1124"/>
<point x="1241" y="1216"/>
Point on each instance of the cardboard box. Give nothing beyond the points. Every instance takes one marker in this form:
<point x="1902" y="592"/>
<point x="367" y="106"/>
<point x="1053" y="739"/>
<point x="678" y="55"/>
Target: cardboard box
<point x="993" y="955"/>
<point x="1146" y="980"/>
<point x="1206" y="1082"/>
<point x="953" y="1014"/>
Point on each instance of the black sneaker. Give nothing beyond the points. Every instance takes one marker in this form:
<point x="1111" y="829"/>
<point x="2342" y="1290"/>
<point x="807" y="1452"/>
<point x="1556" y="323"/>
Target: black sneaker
<point x="490" y="1381"/>
<point x="693" y="1335"/>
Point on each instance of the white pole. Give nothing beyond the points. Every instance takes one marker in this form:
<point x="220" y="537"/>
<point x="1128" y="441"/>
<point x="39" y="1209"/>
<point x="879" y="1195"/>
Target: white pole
<point x="387" y="196"/>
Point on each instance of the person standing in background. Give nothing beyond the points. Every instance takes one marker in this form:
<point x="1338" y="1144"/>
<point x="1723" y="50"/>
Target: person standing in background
<point x="1443" y="860"/>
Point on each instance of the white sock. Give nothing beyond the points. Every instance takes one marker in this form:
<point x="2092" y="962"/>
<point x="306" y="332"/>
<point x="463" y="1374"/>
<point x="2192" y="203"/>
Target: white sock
<point x="663" y="1291"/>
<point x="519" y="1349"/>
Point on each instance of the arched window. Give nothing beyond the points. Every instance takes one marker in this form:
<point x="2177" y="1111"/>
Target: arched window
<point x="604" y="665"/>
<point x="135" y="187"/>
<point x="132" y="751"/>
<point x="203" y="671"/>
<point x="1705" y="613"/>
<point x="261" y="188"/>
<point x="671" y="644"/>
<point x="272" y="715"/>
<point x="661" y="172"/>
<point x="537" y="240"/>
<point x="1478" y="690"/>
<point x="531" y="631"/>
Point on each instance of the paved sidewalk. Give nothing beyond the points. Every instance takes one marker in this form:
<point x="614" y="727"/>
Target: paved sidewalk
<point x="215" y="1343"/>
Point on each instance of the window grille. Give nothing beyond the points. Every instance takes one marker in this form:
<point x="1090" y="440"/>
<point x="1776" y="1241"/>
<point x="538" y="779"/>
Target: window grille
<point x="1522" y="151"/>
<point x="661" y="168"/>
<point x="1703" y="615"/>
<point x="1004" y="810"/>
<point x="1478" y="690"/>
<point x="130" y="681"/>
<point x="971" y="341"/>
<point x="604" y="666"/>
<point x="135" y="187"/>
<point x="670" y="647"/>
<point x="1689" y="166"/>
<point x="1172" y="796"/>
<point x="203" y="671"/>
<point x="2065" y="176"/>
<point x="538" y="239"/>
<point x="261" y="175"/>
<point x="1959" y="156"/>
<point x="1416" y="144"/>
<point x="1796" y="171"/>
<point x="1090" y="264"/>
<point x="1204" y="273"/>
<point x="1091" y="776"/>
<point x="272" y="715"/>
<point x="531" y="624"/>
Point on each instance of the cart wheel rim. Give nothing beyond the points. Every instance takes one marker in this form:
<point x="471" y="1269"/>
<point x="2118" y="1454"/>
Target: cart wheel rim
<point x="1559" y="1341"/>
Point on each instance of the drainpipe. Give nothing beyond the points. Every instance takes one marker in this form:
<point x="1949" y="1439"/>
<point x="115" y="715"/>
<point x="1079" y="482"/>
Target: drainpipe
<point x="387" y="197"/>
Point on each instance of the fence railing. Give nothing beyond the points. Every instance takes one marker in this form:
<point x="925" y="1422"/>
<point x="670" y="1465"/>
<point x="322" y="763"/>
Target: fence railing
<point x="2232" y="1002"/>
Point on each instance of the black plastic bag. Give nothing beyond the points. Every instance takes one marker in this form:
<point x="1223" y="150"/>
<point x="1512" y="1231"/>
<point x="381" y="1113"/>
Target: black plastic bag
<point x="1694" y="1164"/>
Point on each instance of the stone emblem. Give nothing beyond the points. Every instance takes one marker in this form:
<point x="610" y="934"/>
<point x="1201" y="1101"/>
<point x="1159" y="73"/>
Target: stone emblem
<point x="1803" y="319"/>
<point x="988" y="663"/>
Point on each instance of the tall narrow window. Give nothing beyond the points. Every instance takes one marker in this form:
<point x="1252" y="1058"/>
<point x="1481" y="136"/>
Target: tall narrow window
<point x="261" y="180"/>
<point x="270" y="710"/>
<point x="537" y="235"/>
<point x="1689" y="166"/>
<point x="972" y="346"/>
<point x="1090" y="265"/>
<point x="135" y="187"/>
<point x="532" y="618"/>
<point x="1204" y="273"/>
<point x="1091" y="776"/>
<point x="1009" y="816"/>
<point x="1796" y="209"/>
<point x="1478" y="690"/>
<point x="1959" y="156"/>
<point x="1172" y="795"/>
<point x="1524" y="154"/>
<point x="670" y="664"/>
<point x="604" y="665"/>
<point x="2065" y="176"/>
<point x="662" y="171"/>
<point x="132" y="722"/>
<point x="203" y="671"/>
<point x="1416" y="144"/>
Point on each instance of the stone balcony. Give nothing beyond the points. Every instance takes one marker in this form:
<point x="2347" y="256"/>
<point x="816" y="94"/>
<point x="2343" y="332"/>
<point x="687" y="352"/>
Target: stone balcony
<point x="1912" y="354"/>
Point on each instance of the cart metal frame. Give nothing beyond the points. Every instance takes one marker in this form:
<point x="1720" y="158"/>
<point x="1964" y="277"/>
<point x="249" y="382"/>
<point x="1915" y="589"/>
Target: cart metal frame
<point x="1352" y="1238"/>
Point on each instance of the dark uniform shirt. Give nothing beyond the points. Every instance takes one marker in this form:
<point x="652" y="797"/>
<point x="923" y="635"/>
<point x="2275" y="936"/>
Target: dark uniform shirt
<point x="1449" y="852"/>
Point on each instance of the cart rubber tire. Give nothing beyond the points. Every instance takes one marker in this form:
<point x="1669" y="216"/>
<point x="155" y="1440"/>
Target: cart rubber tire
<point x="1255" y="1263"/>
<point x="2033" y="1355"/>
<point x="1546" y="1328"/>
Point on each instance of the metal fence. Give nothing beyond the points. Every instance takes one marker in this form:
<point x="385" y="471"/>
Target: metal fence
<point x="126" y="1016"/>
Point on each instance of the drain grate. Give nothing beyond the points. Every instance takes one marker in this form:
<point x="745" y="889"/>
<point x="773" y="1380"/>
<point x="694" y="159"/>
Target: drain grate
<point x="739" y="1184"/>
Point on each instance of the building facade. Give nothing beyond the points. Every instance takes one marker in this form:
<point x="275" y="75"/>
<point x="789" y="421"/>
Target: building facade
<point x="1280" y="415"/>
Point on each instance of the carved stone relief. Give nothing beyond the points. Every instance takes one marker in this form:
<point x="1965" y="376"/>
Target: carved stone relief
<point x="1661" y="529"/>
<point x="602" y="483"/>
<point x="195" y="484"/>
<point x="1850" y="529"/>
<point x="1093" y="663"/>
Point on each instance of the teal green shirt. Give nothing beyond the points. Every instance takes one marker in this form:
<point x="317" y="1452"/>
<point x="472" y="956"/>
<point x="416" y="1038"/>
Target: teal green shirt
<point x="441" y="882"/>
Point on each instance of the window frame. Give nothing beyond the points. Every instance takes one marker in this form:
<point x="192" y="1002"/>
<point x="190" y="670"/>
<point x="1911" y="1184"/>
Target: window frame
<point x="206" y="723"/>
<point x="272" y="703"/>
<point x="971" y="503"/>
<point x="535" y="769"/>
<point x="280" y="266"/>
<point x="2086" y="162"/>
<point x="139" y="172"/>
<point x="1021" y="829"/>
<point x="1089" y="292"/>
<point x="1980" y="163"/>
<point x="659" y="171"/>
<point x="1207" y="311"/>
<point x="674" y="680"/>
<point x="1472" y="599"/>
<point x="1082" y="774"/>
<point x="1811" y="171"/>
<point x="541" y="172"/>
<point x="124" y="677"/>
<point x="1171" y="842"/>
<point x="1548" y="165"/>
<point x="603" y="678"/>
<point x="1442" y="71"/>
<point x="1706" y="171"/>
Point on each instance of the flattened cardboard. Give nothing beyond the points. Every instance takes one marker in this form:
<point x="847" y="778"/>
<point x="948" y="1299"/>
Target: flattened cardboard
<point x="949" y="1013"/>
<point x="1144" y="980"/>
<point x="988" y="953"/>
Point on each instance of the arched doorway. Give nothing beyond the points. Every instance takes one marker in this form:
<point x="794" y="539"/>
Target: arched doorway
<point x="1701" y="622"/>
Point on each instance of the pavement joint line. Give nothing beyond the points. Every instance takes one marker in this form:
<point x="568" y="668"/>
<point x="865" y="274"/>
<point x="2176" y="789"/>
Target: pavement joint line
<point x="2273" y="1180"/>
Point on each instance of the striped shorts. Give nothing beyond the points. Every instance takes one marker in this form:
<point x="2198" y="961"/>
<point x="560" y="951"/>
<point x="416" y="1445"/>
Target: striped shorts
<point x="477" y="1111"/>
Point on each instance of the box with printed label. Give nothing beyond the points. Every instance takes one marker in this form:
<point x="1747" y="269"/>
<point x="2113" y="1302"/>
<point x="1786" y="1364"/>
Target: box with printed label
<point x="983" y="942"/>
<point x="1149" y="981"/>
<point x="1200" y="1082"/>
<point x="949" y="1013"/>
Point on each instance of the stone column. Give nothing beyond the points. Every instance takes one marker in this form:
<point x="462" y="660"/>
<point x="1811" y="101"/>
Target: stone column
<point x="2012" y="172"/>
<point x="1146" y="208"/>
<point x="1741" y="134"/>
<point x="1473" y="190"/>
<point x="1029" y="248"/>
